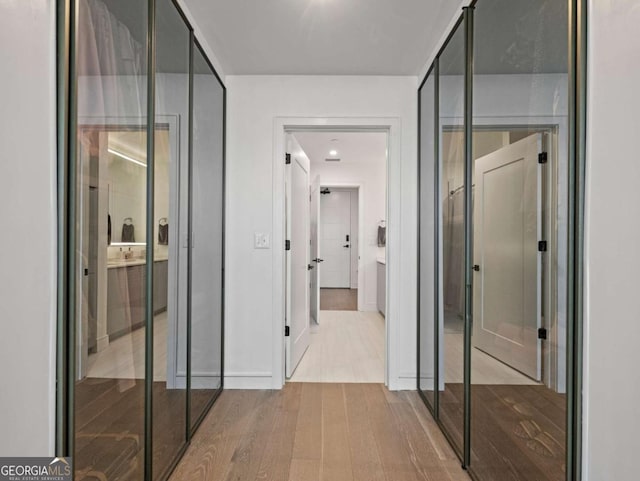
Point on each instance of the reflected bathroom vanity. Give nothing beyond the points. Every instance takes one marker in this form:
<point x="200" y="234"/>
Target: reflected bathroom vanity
<point x="126" y="294"/>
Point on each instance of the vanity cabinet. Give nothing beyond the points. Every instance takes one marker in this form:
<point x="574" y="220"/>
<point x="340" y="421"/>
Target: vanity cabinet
<point x="160" y="286"/>
<point x="126" y="296"/>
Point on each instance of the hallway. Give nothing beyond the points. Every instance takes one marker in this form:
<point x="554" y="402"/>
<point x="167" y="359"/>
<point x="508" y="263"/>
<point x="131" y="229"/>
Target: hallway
<point x="329" y="432"/>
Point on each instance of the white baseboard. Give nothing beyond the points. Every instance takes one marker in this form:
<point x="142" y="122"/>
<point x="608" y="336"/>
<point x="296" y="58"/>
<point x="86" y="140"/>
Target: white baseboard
<point x="403" y="383"/>
<point x="427" y="383"/>
<point x="369" y="307"/>
<point x="248" y="380"/>
<point x="209" y="381"/>
<point x="102" y="343"/>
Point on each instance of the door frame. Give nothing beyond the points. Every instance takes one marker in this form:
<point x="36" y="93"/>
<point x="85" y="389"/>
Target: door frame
<point x="358" y="186"/>
<point x="393" y="377"/>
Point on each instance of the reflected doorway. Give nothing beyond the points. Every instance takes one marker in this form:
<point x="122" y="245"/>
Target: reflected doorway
<point x="110" y="349"/>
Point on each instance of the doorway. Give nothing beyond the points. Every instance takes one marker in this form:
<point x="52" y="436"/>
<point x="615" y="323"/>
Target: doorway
<point x="341" y="336"/>
<point x="338" y="247"/>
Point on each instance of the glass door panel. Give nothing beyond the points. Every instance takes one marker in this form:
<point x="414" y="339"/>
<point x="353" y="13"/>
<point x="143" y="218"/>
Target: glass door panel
<point x="427" y="223"/>
<point x="111" y="240"/>
<point x="170" y="225"/>
<point x="207" y="237"/>
<point x="452" y="292"/>
<point x="520" y="164"/>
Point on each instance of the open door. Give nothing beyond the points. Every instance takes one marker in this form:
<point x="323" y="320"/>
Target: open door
<point x="508" y="275"/>
<point x="314" y="213"/>
<point x="298" y="260"/>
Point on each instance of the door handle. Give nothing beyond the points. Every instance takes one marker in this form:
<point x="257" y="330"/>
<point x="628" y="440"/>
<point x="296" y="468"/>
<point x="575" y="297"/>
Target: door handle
<point x="346" y="245"/>
<point x="317" y="260"/>
<point x="309" y="267"/>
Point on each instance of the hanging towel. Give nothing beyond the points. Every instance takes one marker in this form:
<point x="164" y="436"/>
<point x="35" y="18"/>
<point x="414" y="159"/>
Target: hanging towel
<point x="128" y="233"/>
<point x="163" y="234"/>
<point x="382" y="236"/>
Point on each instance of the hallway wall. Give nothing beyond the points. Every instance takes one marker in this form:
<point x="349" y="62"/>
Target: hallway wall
<point x="254" y="102"/>
<point x="612" y="327"/>
<point x="28" y="213"/>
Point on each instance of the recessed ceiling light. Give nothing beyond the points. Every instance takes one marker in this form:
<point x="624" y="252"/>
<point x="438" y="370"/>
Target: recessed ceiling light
<point x="333" y="152"/>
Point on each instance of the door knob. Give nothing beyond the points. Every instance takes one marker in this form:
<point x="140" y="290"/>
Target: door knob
<point x="309" y="267"/>
<point x="346" y="245"/>
<point x="476" y="268"/>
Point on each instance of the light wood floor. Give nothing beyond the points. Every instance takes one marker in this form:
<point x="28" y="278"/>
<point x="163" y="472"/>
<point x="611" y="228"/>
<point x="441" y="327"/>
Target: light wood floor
<point x="319" y="432"/>
<point x="484" y="368"/>
<point x="123" y="358"/>
<point x="339" y="299"/>
<point x="347" y="346"/>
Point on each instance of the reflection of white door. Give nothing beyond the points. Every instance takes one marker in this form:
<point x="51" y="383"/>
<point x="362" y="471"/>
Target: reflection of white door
<point x="507" y="277"/>
<point x="298" y="261"/>
<point x="315" y="260"/>
<point x="335" y="235"/>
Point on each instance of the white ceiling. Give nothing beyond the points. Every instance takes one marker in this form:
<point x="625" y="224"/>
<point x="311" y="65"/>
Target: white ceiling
<point x="352" y="147"/>
<point x="322" y="37"/>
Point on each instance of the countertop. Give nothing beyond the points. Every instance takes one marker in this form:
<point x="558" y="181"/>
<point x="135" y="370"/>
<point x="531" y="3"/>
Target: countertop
<point x="116" y="263"/>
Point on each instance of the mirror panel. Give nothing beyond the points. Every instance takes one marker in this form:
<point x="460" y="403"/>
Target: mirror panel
<point x="427" y="226"/>
<point x="207" y="237"/>
<point x="111" y="209"/>
<point x="520" y="111"/>
<point x="170" y="225"/>
<point x="451" y="188"/>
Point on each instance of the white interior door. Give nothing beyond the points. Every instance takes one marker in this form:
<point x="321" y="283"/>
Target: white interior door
<point x="507" y="277"/>
<point x="314" y="201"/>
<point x="298" y="261"/>
<point x="335" y="235"/>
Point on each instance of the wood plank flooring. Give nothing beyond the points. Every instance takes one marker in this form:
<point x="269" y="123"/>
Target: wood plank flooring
<point x="110" y="427"/>
<point x="484" y="368"/>
<point x="123" y="358"/>
<point x="338" y="299"/>
<point x="517" y="431"/>
<point x="319" y="432"/>
<point x="347" y="346"/>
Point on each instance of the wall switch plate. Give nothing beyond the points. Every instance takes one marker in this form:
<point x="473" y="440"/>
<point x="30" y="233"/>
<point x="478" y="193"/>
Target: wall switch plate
<point x="261" y="241"/>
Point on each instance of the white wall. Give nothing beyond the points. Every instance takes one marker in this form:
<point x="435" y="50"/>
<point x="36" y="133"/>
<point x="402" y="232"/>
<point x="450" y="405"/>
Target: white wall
<point x="254" y="103"/>
<point x="373" y="181"/>
<point x="28" y="212"/>
<point x="612" y="237"/>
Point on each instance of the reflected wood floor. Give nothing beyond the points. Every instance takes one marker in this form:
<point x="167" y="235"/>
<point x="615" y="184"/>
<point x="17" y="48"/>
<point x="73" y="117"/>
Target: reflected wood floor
<point x="338" y="299"/>
<point x="110" y="427"/>
<point x="518" y="432"/>
<point x="319" y="432"/>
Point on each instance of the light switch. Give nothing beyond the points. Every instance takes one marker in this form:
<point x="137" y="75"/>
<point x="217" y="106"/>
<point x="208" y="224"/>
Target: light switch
<point x="261" y="241"/>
